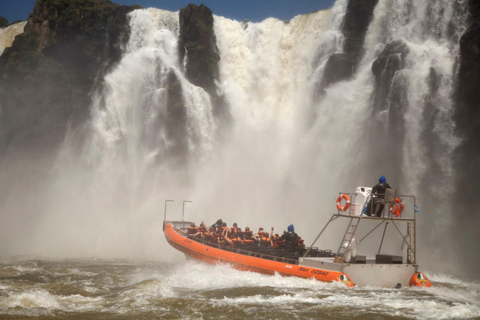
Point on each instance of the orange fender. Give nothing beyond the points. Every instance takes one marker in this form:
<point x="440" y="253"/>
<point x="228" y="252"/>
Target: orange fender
<point x="420" y="280"/>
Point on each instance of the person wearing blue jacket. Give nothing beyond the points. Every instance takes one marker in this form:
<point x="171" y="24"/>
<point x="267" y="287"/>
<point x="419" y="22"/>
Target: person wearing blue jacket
<point x="291" y="238"/>
<point x="378" y="192"/>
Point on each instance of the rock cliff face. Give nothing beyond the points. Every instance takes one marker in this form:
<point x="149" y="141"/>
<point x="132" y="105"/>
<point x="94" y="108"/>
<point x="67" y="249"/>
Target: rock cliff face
<point x="48" y="73"/>
<point x="468" y="113"/>
<point x="197" y="46"/>
<point x="198" y="49"/>
<point x="357" y="19"/>
<point x="390" y="60"/>
<point x="341" y="66"/>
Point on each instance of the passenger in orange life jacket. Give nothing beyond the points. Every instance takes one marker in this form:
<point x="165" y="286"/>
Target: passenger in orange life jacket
<point x="236" y="234"/>
<point x="247" y="236"/>
<point x="192" y="230"/>
<point x="225" y="234"/>
<point x="201" y="231"/>
<point x="267" y="240"/>
<point x="276" y="241"/>
<point x="258" y="236"/>
<point x="235" y="228"/>
<point x="211" y="235"/>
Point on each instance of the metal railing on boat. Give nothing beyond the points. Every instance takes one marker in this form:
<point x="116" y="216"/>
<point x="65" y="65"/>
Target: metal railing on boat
<point x="179" y="227"/>
<point x="349" y="237"/>
<point x="182" y="213"/>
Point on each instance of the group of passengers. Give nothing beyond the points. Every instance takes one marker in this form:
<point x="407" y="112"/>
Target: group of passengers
<point x="235" y="237"/>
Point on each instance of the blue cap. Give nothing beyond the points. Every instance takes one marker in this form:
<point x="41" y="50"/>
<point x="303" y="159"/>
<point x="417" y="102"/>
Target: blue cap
<point x="290" y="228"/>
<point x="382" y="179"/>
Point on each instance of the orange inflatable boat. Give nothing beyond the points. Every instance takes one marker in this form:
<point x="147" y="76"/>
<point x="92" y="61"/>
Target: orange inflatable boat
<point x="357" y="261"/>
<point x="245" y="260"/>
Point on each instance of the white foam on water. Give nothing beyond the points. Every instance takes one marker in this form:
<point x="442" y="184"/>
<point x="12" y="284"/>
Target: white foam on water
<point x="267" y="300"/>
<point x="38" y="298"/>
<point x="200" y="276"/>
<point x="419" y="303"/>
<point x="144" y="289"/>
<point x="403" y="303"/>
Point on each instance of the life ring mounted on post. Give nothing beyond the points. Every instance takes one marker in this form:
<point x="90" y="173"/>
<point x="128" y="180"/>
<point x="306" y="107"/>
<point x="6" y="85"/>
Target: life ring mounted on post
<point x="341" y="197"/>
<point x="397" y="207"/>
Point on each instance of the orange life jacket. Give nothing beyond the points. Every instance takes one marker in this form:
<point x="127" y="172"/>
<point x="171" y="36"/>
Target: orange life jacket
<point x="247" y="234"/>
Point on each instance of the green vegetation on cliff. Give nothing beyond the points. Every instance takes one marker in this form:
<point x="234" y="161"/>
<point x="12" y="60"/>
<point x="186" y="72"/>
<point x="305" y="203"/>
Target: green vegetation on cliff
<point x="3" y="22"/>
<point x="49" y="73"/>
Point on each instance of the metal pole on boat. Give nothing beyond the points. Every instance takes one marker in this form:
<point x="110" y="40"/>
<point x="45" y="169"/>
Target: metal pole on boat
<point x="331" y="219"/>
<point x="414" y="253"/>
<point x="165" y="212"/>
<point x="404" y="241"/>
<point x="183" y="209"/>
<point x="383" y="236"/>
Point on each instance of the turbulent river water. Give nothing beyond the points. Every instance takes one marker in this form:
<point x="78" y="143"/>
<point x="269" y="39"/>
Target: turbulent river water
<point x="122" y="289"/>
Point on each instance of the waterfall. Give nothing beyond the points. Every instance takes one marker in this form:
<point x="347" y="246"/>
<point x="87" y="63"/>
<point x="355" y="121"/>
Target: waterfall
<point x="8" y="34"/>
<point x="419" y="104"/>
<point x="288" y="149"/>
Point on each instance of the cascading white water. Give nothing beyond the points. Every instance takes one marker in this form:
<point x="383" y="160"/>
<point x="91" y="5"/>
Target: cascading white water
<point x="8" y="34"/>
<point x="286" y="153"/>
<point x="431" y="29"/>
<point x="122" y="174"/>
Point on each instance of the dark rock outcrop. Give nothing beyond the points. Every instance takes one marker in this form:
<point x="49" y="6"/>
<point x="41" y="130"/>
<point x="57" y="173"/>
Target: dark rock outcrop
<point x="474" y="8"/>
<point x="198" y="54"/>
<point x="467" y="117"/>
<point x="467" y="113"/>
<point x="386" y="130"/>
<point x="341" y="66"/>
<point x="357" y="19"/>
<point x="51" y="69"/>
<point x="197" y="47"/>
<point x="384" y="68"/>
<point x="176" y="127"/>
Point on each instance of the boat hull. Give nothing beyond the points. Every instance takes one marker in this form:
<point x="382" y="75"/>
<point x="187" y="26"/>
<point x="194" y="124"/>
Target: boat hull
<point x="370" y="273"/>
<point x="243" y="262"/>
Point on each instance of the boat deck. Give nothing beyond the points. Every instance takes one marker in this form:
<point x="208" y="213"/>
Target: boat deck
<point x="264" y="252"/>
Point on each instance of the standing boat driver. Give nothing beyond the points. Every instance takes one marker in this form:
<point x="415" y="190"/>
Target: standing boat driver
<point x="378" y="192"/>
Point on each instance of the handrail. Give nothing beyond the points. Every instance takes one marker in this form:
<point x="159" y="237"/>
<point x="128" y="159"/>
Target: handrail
<point x="409" y="217"/>
<point x="314" y="241"/>
<point x="165" y="212"/>
<point x="183" y="209"/>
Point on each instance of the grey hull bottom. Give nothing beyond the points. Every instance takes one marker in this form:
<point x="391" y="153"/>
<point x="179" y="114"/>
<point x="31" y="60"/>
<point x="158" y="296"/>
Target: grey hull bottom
<point x="368" y="274"/>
